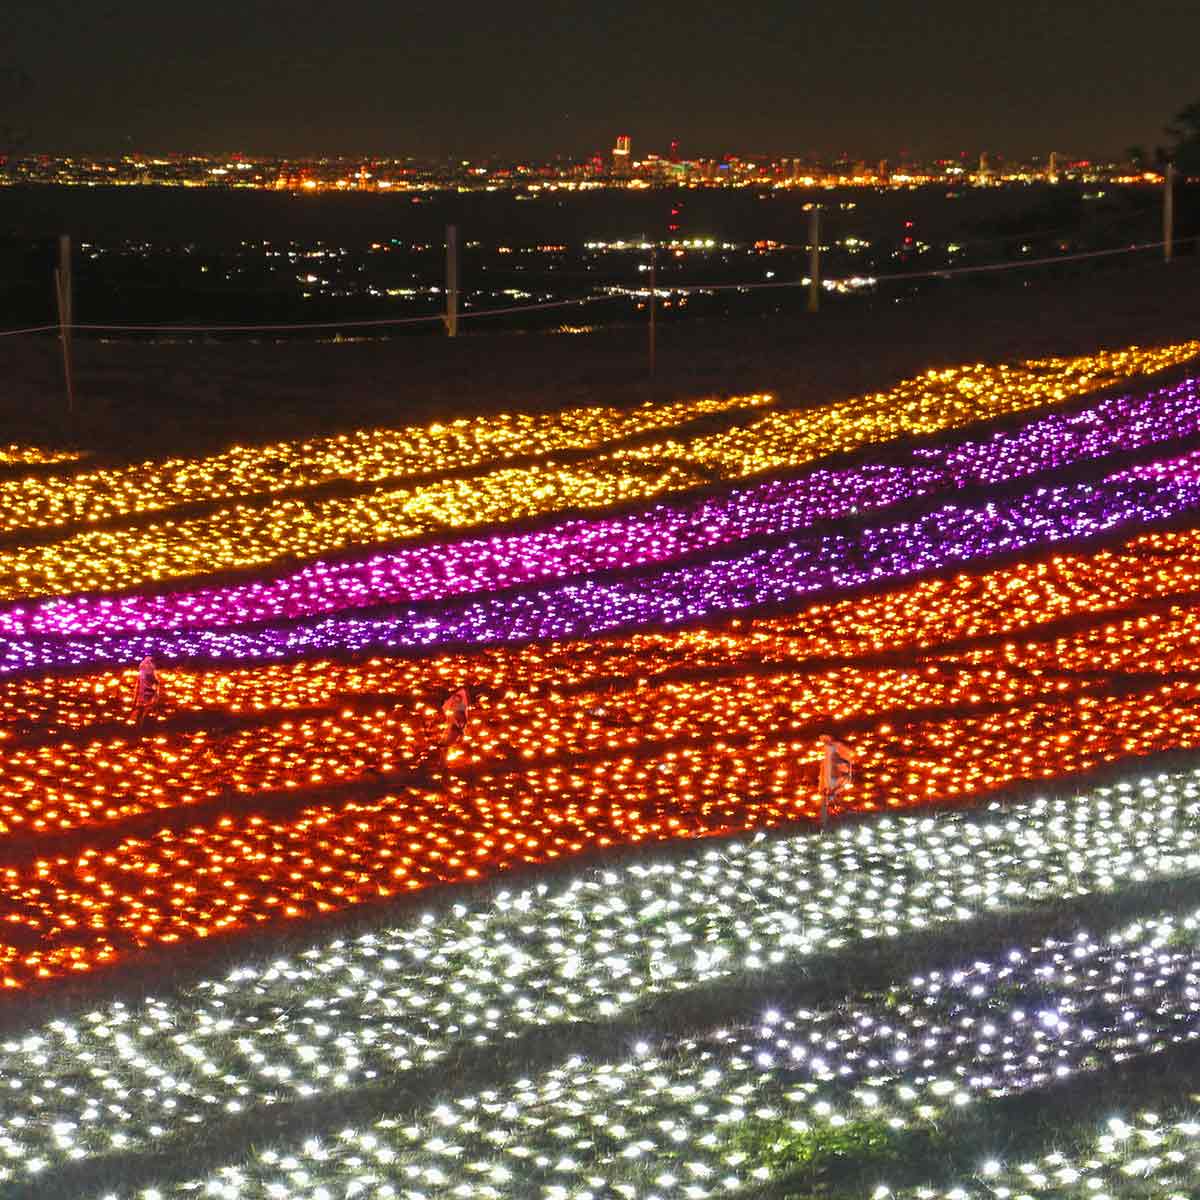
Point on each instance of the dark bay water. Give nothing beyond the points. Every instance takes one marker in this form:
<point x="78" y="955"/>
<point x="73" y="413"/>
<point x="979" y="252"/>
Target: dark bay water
<point x="217" y="217"/>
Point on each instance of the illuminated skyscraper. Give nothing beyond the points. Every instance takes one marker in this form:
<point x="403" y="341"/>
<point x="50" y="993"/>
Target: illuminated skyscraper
<point x="621" y="157"/>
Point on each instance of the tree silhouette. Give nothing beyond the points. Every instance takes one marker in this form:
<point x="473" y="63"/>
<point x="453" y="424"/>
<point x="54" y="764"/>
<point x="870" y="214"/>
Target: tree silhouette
<point x="15" y="86"/>
<point x="1184" y="152"/>
<point x="1184" y="129"/>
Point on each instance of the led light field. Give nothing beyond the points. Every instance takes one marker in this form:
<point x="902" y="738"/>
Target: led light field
<point x="282" y="943"/>
<point x="362" y="457"/>
<point x="346" y="1012"/>
<point x="1109" y="426"/>
<point x="240" y="536"/>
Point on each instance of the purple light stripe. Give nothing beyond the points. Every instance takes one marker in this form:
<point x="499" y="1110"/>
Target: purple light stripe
<point x="1176" y="470"/>
<point x="948" y="536"/>
<point x="663" y="532"/>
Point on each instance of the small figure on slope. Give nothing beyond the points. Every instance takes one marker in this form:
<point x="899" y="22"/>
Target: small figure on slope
<point x="837" y="770"/>
<point x="147" y="696"/>
<point x="455" y="710"/>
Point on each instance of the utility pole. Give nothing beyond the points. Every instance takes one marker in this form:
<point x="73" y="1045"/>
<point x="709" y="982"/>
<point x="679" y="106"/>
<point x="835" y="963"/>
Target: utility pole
<point x="451" y="281"/>
<point x="653" y="299"/>
<point x="814" y="258"/>
<point x="1168" y="212"/>
<point x="62" y="289"/>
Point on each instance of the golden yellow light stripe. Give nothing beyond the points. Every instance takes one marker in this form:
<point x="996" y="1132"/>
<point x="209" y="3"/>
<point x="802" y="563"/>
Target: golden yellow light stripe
<point x="239" y="537"/>
<point x="254" y="537"/>
<point x="17" y="455"/>
<point x="927" y="404"/>
<point x="364" y="456"/>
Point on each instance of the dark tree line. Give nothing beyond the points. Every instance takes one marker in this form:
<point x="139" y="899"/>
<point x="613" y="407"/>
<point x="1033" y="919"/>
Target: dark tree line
<point x="15" y="86"/>
<point x="1183" y="149"/>
<point x="1184" y="131"/>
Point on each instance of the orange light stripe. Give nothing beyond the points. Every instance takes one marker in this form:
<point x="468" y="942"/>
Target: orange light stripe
<point x="919" y="616"/>
<point x="175" y="888"/>
<point x="64" y="786"/>
<point x="540" y="701"/>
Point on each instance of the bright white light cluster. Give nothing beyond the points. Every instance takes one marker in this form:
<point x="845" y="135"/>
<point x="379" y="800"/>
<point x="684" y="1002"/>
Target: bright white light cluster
<point x="348" y="1012"/>
<point x="669" y="1118"/>
<point x="1148" y="1155"/>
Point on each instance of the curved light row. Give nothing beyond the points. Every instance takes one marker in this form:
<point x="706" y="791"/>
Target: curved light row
<point x="1157" y="642"/>
<point x="349" y="1012"/>
<point x="947" y="536"/>
<point x="677" y="1120"/>
<point x="724" y="743"/>
<point x="1146" y="1154"/>
<point x="15" y="454"/>
<point x="233" y="873"/>
<point x="932" y="401"/>
<point x="284" y="528"/>
<point x="926" y="404"/>
<point x="919" y="616"/>
<point x="664" y="532"/>
<point x="239" y="537"/>
<point x="706" y="726"/>
<point x="40" y="502"/>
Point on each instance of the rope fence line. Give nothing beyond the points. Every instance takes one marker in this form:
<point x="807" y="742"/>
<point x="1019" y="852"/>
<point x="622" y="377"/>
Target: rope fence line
<point x="94" y="328"/>
<point x="938" y="273"/>
<point x="1038" y="262"/>
<point x="499" y="312"/>
<point x="668" y="289"/>
<point x="33" y="329"/>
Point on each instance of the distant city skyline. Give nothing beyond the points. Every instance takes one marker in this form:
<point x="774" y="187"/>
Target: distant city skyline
<point x="620" y="169"/>
<point x="621" y="159"/>
<point x="539" y="78"/>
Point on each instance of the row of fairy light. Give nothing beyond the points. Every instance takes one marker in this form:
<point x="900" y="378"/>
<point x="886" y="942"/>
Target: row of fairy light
<point x="41" y="502"/>
<point x="670" y="1120"/>
<point x="17" y="455"/>
<point x="65" y="785"/>
<point x="200" y="874"/>
<point x="953" y="534"/>
<point x="356" y="1013"/>
<point x="699" y="753"/>
<point x="1151" y="1154"/>
<point x="927" y="404"/>
<point x="243" y="535"/>
<point x="917" y="617"/>
<point x="196" y="877"/>
<point x="737" y="721"/>
<point x="924" y="404"/>
<point x="657" y="535"/>
<point x="1146" y="642"/>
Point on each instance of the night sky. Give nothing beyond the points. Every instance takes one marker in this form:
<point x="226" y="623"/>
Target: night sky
<point x="531" y="77"/>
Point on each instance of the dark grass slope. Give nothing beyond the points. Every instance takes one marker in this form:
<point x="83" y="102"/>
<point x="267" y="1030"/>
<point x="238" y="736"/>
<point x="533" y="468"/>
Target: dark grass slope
<point x="135" y="398"/>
